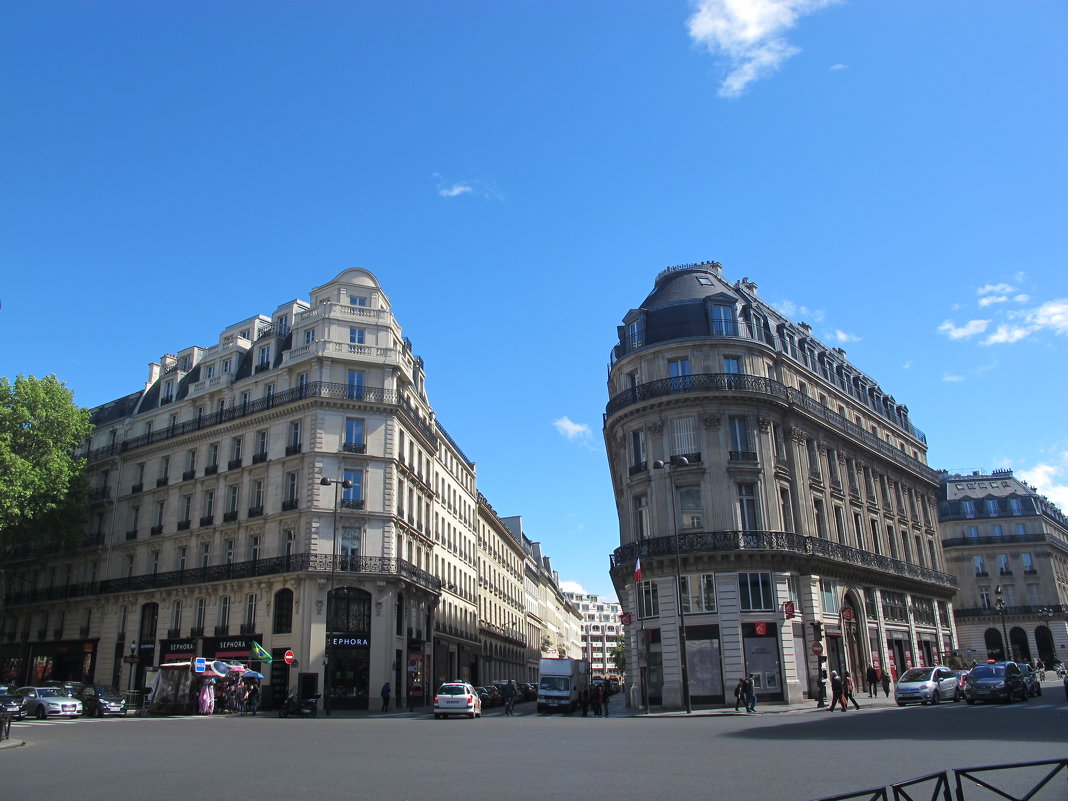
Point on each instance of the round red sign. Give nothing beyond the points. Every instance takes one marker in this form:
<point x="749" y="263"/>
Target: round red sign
<point x="817" y="648"/>
<point x="288" y="657"/>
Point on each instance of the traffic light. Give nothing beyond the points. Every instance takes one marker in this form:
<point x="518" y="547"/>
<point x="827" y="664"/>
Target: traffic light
<point x="817" y="629"/>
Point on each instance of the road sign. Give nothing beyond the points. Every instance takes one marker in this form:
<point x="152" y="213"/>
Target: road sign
<point x="817" y="649"/>
<point x="761" y="629"/>
<point x="200" y="665"/>
<point x="288" y="657"/>
<point x="789" y="610"/>
<point x="626" y="619"/>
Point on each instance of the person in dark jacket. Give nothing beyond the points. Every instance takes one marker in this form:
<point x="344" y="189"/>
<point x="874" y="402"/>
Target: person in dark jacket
<point x="873" y="681"/>
<point x="847" y="689"/>
<point x="837" y="691"/>
<point x="886" y="683"/>
<point x="385" y="697"/>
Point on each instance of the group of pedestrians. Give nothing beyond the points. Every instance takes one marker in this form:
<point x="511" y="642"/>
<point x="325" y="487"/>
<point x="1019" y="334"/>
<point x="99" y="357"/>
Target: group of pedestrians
<point x="842" y="691"/>
<point x="595" y="698"/>
<point x="874" y="682"/>
<point x="745" y="692"/>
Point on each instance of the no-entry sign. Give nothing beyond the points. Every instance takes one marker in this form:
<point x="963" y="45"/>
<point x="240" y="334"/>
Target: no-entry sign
<point x="817" y="649"/>
<point x="288" y="657"/>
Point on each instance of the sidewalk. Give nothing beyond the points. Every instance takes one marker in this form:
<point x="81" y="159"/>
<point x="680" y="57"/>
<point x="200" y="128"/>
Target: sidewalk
<point x="771" y="708"/>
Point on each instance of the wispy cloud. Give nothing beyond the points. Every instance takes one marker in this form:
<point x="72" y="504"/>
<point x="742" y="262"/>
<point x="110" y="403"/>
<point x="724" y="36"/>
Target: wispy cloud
<point x="474" y="188"/>
<point x="841" y="336"/>
<point x="748" y="35"/>
<point x="952" y="379"/>
<point x="799" y="313"/>
<point x="969" y="329"/>
<point x="994" y="289"/>
<point x="836" y="67"/>
<point x="572" y="431"/>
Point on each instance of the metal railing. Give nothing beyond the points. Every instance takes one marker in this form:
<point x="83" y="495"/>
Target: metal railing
<point x="783" y="541"/>
<point x="960" y="784"/>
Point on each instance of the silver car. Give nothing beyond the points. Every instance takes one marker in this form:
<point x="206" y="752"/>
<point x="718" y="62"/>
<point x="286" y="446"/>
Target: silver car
<point x="927" y="685"/>
<point x="46" y="702"/>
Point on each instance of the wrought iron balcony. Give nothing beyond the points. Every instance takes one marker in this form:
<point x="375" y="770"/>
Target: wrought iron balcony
<point x="131" y="535"/>
<point x="354" y="447"/>
<point x="1010" y="539"/>
<point x="233" y="464"/>
<point x="255" y="511"/>
<point x="351" y="503"/>
<point x="196" y="631"/>
<point x="743" y="456"/>
<point x="707" y="542"/>
<point x="188" y="475"/>
<point x="162" y="481"/>
<point x="211" y="470"/>
<point x="174" y="634"/>
<point x="641" y="467"/>
<point x="207" y="520"/>
<point x="137" y="488"/>
<point x="100" y="494"/>
<point x="1055" y="611"/>
<point x="230" y="517"/>
<point x="222" y="631"/>
<point x="248" y="628"/>
<point x="290" y="504"/>
<point x="155" y="531"/>
<point x="183" y="525"/>
<point x="321" y="564"/>
<point x="293" y="448"/>
<point x="259" y="458"/>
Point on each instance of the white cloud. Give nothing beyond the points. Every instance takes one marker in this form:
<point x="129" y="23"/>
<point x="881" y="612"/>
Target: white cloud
<point x="1022" y="298"/>
<point x="988" y="289"/>
<point x="573" y="586"/>
<point x="1007" y="333"/>
<point x="952" y="379"/>
<point x="1050" y="479"/>
<point x="748" y="36"/>
<point x="992" y="299"/>
<point x="799" y="313"/>
<point x="969" y="329"/>
<point x="571" y="430"/>
<point x="836" y="67"/>
<point x="841" y="336"/>
<point x="1052" y="315"/>
<point x="454" y="191"/>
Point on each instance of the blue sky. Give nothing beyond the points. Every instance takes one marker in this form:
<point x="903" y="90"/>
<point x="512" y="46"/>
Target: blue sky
<point x="517" y="173"/>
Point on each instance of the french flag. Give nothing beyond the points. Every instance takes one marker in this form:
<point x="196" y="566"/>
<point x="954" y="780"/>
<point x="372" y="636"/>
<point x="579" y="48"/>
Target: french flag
<point x="637" y="570"/>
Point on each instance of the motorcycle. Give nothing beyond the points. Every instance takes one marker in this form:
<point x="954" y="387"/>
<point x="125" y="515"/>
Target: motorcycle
<point x="305" y="708"/>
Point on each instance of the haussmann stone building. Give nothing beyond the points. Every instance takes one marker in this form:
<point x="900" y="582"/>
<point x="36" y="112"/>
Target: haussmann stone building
<point x="777" y="500"/>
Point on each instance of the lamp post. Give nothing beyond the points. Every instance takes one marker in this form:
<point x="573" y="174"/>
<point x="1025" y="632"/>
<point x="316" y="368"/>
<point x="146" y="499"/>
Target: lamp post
<point x="1045" y="614"/>
<point x="328" y="682"/>
<point x="678" y="461"/>
<point x="1000" y="604"/>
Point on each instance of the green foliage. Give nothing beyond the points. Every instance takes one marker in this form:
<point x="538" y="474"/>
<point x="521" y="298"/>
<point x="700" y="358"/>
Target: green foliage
<point x="619" y="655"/>
<point x="43" y="494"/>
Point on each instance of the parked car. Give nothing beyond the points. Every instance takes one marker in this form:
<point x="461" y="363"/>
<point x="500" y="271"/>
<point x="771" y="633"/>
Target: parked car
<point x="13" y="705"/>
<point x="484" y="696"/>
<point x="926" y="685"/>
<point x="44" y="702"/>
<point x="495" y="698"/>
<point x="99" y="700"/>
<point x="1034" y="686"/>
<point x="530" y="692"/>
<point x="457" y="698"/>
<point x="994" y="681"/>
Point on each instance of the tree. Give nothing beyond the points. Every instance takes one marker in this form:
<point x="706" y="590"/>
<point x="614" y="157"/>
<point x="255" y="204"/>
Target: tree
<point x="43" y="492"/>
<point x="619" y="655"/>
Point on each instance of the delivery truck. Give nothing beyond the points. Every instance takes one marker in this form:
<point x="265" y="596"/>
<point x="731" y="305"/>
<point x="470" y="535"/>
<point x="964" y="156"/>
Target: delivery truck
<point x="560" y="683"/>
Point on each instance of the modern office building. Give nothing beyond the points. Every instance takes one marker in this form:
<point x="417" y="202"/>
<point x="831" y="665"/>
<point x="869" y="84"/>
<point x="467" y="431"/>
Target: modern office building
<point x="1008" y="547"/>
<point x="776" y="498"/>
<point x="289" y="486"/>
<point x="601" y="630"/>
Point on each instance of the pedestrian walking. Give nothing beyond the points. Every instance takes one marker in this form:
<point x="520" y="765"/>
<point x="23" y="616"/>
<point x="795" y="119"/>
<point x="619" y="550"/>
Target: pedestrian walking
<point x="607" y="695"/>
<point x="739" y="693"/>
<point x="595" y="700"/>
<point x="886" y="684"/>
<point x="386" y="691"/>
<point x="508" y="691"/>
<point x="837" y="692"/>
<point x="584" y="701"/>
<point x="847" y="686"/>
<point x="750" y="693"/>
<point x="254" y="699"/>
<point x="873" y="681"/>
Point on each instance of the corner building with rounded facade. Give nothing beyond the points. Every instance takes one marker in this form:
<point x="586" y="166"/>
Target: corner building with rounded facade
<point x="775" y="498"/>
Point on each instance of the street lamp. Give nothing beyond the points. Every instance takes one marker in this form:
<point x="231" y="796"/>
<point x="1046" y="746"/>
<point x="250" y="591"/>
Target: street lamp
<point x="1045" y="614"/>
<point x="678" y="461"/>
<point x="326" y="482"/>
<point x="1000" y="604"/>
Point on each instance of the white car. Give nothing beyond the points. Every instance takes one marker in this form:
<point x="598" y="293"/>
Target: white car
<point x="457" y="698"/>
<point x="46" y="702"/>
<point x="927" y="685"/>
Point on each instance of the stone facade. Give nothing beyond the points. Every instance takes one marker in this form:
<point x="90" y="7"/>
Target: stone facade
<point x="784" y="486"/>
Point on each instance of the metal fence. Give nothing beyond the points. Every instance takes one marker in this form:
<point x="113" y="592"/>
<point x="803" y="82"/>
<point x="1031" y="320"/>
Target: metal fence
<point x="1021" y="781"/>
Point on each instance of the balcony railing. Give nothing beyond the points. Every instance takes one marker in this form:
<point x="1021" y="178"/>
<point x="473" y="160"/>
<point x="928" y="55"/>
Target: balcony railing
<point x="136" y="488"/>
<point x="1010" y="539"/>
<point x="162" y="481"/>
<point x="131" y="535"/>
<point x="351" y="503"/>
<point x="781" y="541"/>
<point x="233" y="464"/>
<point x="293" y="448"/>
<point x="207" y="520"/>
<point x="196" y="631"/>
<point x="758" y="385"/>
<point x="211" y="470"/>
<point x="290" y="504"/>
<point x="429" y="431"/>
<point x="183" y="525"/>
<point x="743" y="456"/>
<point x="230" y="517"/>
<point x="354" y="447"/>
<point x="100" y="494"/>
<point x="222" y="631"/>
<point x="259" y="458"/>
<point x="189" y="475"/>
<point x="321" y="564"/>
<point x="155" y="531"/>
<point x="255" y="511"/>
<point x="1020" y="611"/>
<point x="248" y="628"/>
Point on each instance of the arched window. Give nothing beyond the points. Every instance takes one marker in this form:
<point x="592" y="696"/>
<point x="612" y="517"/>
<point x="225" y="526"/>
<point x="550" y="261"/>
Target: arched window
<point x="994" y="647"/>
<point x="350" y="610"/>
<point x="283" y="612"/>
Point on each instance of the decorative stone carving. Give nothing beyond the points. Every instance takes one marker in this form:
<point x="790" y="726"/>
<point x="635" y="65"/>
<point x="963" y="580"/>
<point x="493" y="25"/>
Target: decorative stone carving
<point x="655" y="427"/>
<point x="711" y="421"/>
<point x="765" y="424"/>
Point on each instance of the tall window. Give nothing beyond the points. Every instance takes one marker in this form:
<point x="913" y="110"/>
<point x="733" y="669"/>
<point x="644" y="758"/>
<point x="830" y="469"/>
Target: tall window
<point x="355" y="380"/>
<point x="756" y="592"/>
<point x="992" y="507"/>
<point x="980" y="565"/>
<point x="1003" y="565"/>
<point x="684" y="440"/>
<point x="648" y="600"/>
<point x="739" y="431"/>
<point x="291" y="486"/>
<point x="690" y="507"/>
<point x="968" y="508"/>
<point x="699" y="593"/>
<point x="354" y="431"/>
<point x="357" y="336"/>
<point x="205" y="554"/>
<point x="296" y="429"/>
<point x="723" y="321"/>
<point x="641" y="517"/>
<point x="637" y="448"/>
<point x="224" y="611"/>
<point x="732" y="365"/>
<point x="821" y="519"/>
<point x="984" y="598"/>
<point x="679" y="373"/>
<point x="176" y="615"/>
<point x="235" y="448"/>
<point x="747" y="508"/>
<point x="355" y="492"/>
<point x="283" y="612"/>
<point x="1028" y="562"/>
<point x="250" y="609"/>
<point x="234" y="498"/>
<point x="198" y="613"/>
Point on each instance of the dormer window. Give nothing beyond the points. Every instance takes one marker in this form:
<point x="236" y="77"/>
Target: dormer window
<point x="211" y="371"/>
<point x="246" y="334"/>
<point x="357" y="300"/>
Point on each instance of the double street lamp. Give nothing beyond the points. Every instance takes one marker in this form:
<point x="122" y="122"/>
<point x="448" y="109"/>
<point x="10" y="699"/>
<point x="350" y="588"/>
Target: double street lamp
<point x="329" y="682"/>
<point x="678" y="461"/>
<point x="999" y="603"/>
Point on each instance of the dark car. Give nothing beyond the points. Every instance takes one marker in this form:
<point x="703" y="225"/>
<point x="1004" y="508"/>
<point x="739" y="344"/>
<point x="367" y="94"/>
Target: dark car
<point x="495" y="697"/>
<point x="13" y="705"/>
<point x="99" y="700"/>
<point x="484" y="696"/>
<point x="1034" y="686"/>
<point x="995" y="681"/>
<point x="530" y="692"/>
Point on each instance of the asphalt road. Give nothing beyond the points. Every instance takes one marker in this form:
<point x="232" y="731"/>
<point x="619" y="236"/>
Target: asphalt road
<point x="789" y="756"/>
